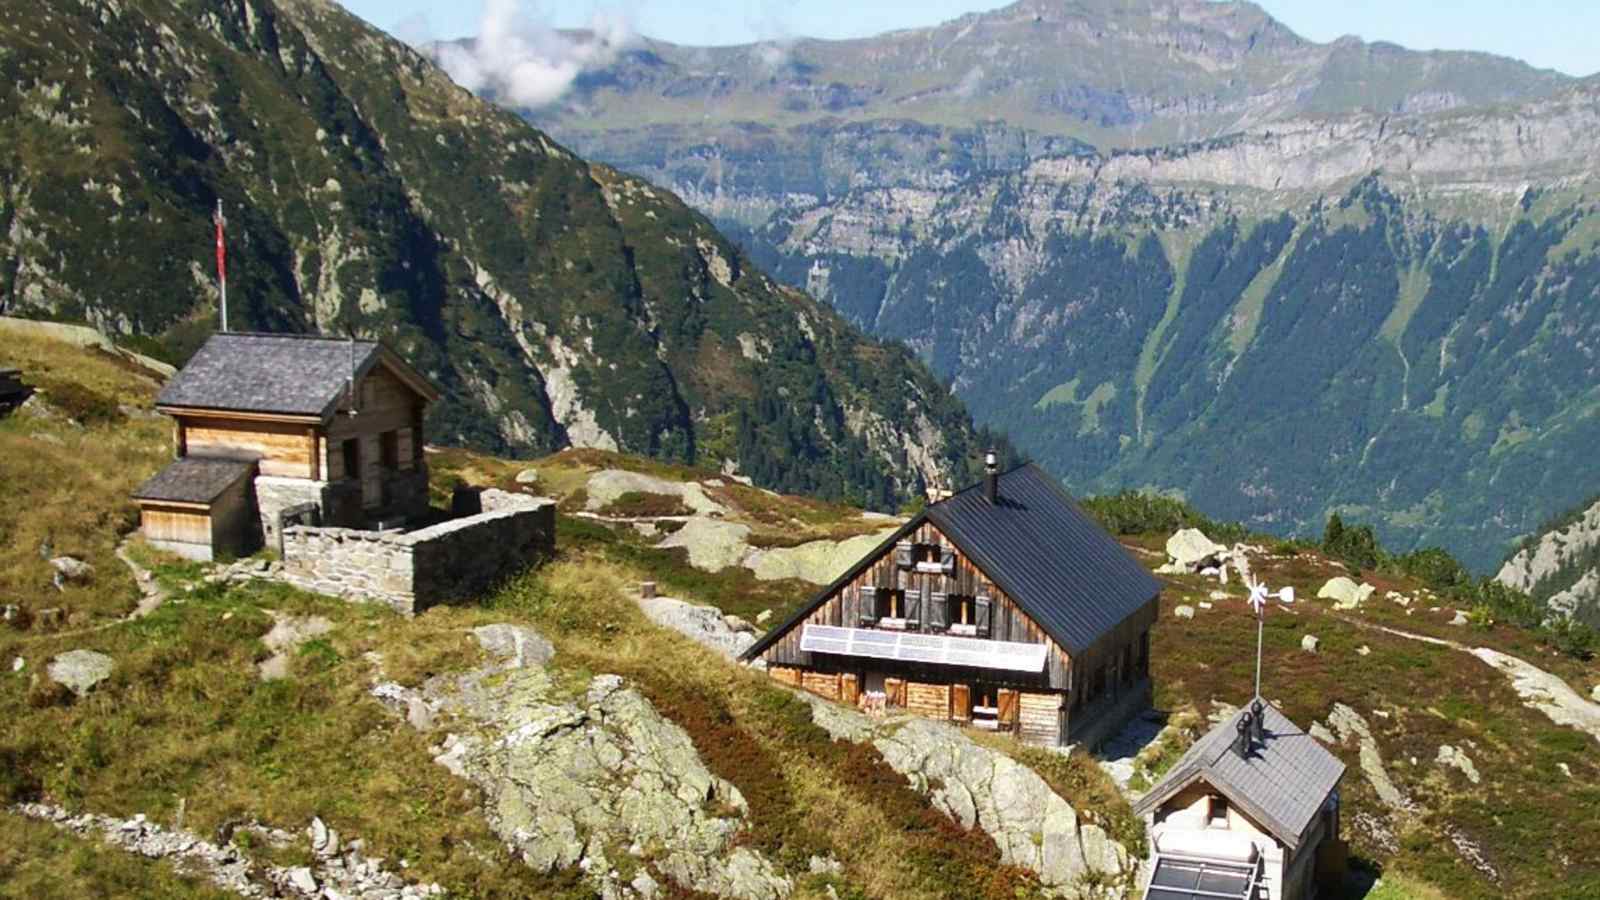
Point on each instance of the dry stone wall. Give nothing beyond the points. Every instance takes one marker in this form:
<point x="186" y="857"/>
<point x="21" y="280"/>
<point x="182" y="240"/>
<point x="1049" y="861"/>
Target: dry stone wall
<point x="411" y="571"/>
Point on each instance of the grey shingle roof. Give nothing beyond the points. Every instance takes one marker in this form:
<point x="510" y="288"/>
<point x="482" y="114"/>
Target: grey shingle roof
<point x="1064" y="570"/>
<point x="268" y="373"/>
<point x="1283" y="783"/>
<point x="194" y="479"/>
<point x="1056" y="563"/>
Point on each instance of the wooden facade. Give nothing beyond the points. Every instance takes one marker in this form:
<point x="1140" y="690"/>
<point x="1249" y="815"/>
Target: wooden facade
<point x="223" y="526"/>
<point x="925" y="583"/>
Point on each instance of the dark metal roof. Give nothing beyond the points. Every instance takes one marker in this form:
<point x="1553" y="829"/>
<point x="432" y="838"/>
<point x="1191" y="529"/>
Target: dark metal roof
<point x="287" y="374"/>
<point x="1057" y="564"/>
<point x="194" y="479"/>
<point x="1064" y="570"/>
<point x="1283" y="783"/>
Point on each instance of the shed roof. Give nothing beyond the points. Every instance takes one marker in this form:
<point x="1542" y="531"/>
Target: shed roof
<point x="285" y="374"/>
<point x="194" y="479"/>
<point x="1282" y="783"/>
<point x="1061" y="568"/>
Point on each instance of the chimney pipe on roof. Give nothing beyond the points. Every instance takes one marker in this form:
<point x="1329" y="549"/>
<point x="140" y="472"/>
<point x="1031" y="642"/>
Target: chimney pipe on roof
<point x="991" y="478"/>
<point x="1241" y="744"/>
<point x="1258" y="721"/>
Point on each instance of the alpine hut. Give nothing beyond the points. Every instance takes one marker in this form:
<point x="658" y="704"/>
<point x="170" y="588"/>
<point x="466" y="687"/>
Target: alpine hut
<point x="1003" y="606"/>
<point x="1251" y="811"/>
<point x="277" y="427"/>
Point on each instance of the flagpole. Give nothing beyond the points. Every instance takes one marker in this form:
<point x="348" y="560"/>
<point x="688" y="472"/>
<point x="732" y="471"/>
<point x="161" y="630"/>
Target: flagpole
<point x="1261" y="619"/>
<point x="222" y="266"/>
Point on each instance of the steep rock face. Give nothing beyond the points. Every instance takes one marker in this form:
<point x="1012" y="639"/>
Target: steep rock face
<point x="1561" y="566"/>
<point x="558" y="303"/>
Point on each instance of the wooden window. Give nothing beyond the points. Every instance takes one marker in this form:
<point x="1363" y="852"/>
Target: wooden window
<point x="390" y="445"/>
<point x="350" y="450"/>
<point x="984" y="609"/>
<point x="1216" y="812"/>
<point x="914" y="606"/>
<point x="869" y="605"/>
<point x="939" y="610"/>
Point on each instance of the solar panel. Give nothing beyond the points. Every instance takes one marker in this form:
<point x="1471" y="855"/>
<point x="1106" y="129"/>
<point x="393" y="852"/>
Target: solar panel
<point x="938" y="649"/>
<point x="1200" y="879"/>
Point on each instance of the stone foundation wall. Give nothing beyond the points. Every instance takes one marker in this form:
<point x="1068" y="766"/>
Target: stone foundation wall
<point x="411" y="571"/>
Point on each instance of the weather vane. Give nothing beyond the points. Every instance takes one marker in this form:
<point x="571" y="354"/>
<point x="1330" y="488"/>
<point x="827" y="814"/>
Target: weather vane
<point x="1259" y="595"/>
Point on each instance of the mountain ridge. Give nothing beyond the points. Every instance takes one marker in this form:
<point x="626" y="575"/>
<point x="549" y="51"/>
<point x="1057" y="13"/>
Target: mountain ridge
<point x="558" y="302"/>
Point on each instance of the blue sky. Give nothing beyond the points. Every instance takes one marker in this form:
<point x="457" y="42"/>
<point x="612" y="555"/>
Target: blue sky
<point x="1557" y="34"/>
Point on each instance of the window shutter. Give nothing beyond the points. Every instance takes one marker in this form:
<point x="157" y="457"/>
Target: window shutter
<point x="915" y="602"/>
<point x="984" y="608"/>
<point x="939" y="610"/>
<point x="869" y="605"/>
<point x="947" y="561"/>
<point x="903" y="554"/>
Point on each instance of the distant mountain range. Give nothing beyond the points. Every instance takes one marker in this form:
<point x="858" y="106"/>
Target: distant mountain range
<point x="559" y="303"/>
<point x="1173" y="245"/>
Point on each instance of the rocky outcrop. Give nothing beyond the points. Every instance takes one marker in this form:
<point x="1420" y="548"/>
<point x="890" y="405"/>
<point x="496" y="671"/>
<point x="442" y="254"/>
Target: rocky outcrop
<point x="817" y="562"/>
<point x="601" y="782"/>
<point x="573" y="783"/>
<point x="1562" y="564"/>
<point x="1545" y="692"/>
<point x="1034" y="827"/>
<point x="1350" y="725"/>
<point x="333" y="874"/>
<point x="605" y="487"/>
<point x="705" y="625"/>
<point x="287" y="635"/>
<point x="1457" y="758"/>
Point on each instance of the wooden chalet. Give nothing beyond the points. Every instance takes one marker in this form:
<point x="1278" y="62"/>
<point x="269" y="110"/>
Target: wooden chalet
<point x="321" y="430"/>
<point x="1003" y="606"/>
<point x="1250" y="812"/>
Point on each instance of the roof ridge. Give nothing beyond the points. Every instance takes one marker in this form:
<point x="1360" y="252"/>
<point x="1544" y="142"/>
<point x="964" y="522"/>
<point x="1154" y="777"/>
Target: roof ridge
<point x="298" y="336"/>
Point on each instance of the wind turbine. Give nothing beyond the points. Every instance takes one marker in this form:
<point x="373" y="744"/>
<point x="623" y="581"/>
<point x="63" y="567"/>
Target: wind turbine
<point x="1259" y="595"/>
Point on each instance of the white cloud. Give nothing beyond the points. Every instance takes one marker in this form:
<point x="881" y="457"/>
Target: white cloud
<point x="527" y="63"/>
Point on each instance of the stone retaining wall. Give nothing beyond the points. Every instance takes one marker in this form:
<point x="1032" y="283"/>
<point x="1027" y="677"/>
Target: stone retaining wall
<point x="414" y="570"/>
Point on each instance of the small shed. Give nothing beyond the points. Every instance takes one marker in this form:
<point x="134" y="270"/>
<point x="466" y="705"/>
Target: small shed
<point x="199" y="507"/>
<point x="1251" y="810"/>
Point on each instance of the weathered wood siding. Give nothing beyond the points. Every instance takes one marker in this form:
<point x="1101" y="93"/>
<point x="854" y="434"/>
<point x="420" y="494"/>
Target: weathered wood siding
<point x="284" y="449"/>
<point x="386" y="405"/>
<point x="235" y="528"/>
<point x="1041" y="718"/>
<point x="1009" y="623"/>
<point x="930" y="700"/>
<point x="177" y="524"/>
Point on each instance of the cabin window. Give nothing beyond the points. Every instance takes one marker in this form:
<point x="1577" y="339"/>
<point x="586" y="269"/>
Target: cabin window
<point x="1216" y="812"/>
<point x="390" y="444"/>
<point x="350" y="450"/>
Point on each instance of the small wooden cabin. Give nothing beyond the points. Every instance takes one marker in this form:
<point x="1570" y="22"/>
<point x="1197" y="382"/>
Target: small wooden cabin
<point x="1003" y="606"/>
<point x="199" y="508"/>
<point x="331" y="428"/>
<point x="1251" y="811"/>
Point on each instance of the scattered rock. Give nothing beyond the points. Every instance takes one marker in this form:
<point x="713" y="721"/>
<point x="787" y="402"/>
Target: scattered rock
<point x="1219" y="595"/>
<point x="1345" y="593"/>
<point x="303" y="881"/>
<point x="1349" y="723"/>
<point x="1206" y="604"/>
<point x="1460" y="619"/>
<point x="287" y="635"/>
<point x="17" y="665"/>
<point x="1190" y="549"/>
<point x="1565" y="769"/>
<point x="765" y="614"/>
<point x="817" y="562"/>
<point x="703" y="624"/>
<point x="713" y="545"/>
<point x="528" y="476"/>
<point x="1309" y="643"/>
<point x="50" y="619"/>
<point x="1455" y="756"/>
<point x="1321" y="733"/>
<point x="825" y="865"/>
<point x="1184" y="612"/>
<point x="1595" y="694"/>
<point x="80" y="670"/>
<point x="72" y="570"/>
<point x="1363" y="650"/>
<point x="517" y="645"/>
<point x="605" y="487"/>
<point x="348" y="875"/>
<point x="735" y="623"/>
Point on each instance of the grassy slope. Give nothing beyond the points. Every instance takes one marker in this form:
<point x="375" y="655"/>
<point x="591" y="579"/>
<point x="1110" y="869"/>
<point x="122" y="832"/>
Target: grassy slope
<point x="184" y="719"/>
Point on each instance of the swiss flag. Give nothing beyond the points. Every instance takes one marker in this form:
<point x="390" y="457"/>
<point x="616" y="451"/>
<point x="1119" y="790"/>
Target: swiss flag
<point x="222" y="247"/>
